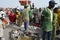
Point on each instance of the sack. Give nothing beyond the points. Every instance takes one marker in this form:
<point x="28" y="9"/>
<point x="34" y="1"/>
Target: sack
<point x="5" y="21"/>
<point x="25" y="38"/>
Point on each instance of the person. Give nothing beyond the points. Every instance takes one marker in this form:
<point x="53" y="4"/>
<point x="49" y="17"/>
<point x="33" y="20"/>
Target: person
<point x="31" y="15"/>
<point x="12" y="15"/>
<point x="3" y="14"/>
<point x="39" y="13"/>
<point x="58" y="29"/>
<point x="17" y="17"/>
<point x="55" y="23"/>
<point x="1" y="24"/>
<point x="47" y="26"/>
<point x="59" y="16"/>
<point x="36" y="20"/>
<point x="25" y="15"/>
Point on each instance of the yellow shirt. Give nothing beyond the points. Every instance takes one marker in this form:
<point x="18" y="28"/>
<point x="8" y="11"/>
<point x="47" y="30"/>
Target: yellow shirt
<point x="18" y="14"/>
<point x="59" y="18"/>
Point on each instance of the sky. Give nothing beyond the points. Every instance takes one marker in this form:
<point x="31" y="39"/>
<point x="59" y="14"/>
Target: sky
<point x="15" y="3"/>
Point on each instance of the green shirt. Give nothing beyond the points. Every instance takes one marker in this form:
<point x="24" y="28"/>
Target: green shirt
<point x="25" y="15"/>
<point x="30" y="13"/>
<point x="47" y="24"/>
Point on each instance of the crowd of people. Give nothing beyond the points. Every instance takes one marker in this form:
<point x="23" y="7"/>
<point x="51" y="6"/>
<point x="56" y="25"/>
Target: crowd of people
<point x="47" y="19"/>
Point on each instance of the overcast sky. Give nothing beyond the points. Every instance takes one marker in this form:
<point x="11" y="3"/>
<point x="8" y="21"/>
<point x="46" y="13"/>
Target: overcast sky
<point x="15" y="3"/>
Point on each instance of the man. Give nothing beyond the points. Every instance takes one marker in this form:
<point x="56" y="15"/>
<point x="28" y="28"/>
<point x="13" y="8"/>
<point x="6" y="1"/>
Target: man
<point x="58" y="14"/>
<point x="12" y="17"/>
<point x="2" y="16"/>
<point x="39" y="13"/>
<point x="25" y="15"/>
<point x="55" y="23"/>
<point x="47" y="21"/>
<point x="18" y="17"/>
<point x="31" y="15"/>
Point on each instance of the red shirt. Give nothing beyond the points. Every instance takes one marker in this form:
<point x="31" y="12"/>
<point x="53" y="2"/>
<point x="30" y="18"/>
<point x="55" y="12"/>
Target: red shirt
<point x="12" y="17"/>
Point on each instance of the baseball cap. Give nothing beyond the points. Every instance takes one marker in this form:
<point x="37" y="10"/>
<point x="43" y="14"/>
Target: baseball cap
<point x="52" y="2"/>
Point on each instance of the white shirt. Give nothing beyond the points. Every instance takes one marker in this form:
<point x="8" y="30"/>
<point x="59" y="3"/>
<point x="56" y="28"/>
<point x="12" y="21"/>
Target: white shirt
<point x="4" y="14"/>
<point x="1" y="27"/>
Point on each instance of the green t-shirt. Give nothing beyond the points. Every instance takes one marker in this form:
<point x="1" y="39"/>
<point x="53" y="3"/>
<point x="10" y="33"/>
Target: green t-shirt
<point x="30" y="13"/>
<point x="47" y="24"/>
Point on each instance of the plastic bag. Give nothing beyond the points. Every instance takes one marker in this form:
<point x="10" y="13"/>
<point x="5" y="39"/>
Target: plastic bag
<point x="5" y="21"/>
